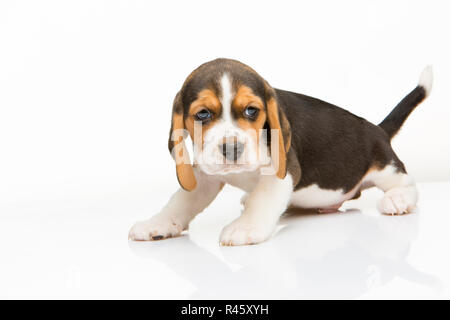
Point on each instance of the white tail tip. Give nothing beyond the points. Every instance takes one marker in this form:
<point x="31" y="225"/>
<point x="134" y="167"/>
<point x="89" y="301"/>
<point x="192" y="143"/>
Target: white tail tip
<point x="426" y="80"/>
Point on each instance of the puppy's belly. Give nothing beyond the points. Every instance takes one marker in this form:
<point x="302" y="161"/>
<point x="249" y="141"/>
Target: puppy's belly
<point x="313" y="197"/>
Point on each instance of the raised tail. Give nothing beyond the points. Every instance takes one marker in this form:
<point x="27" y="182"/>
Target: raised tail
<point x="394" y="121"/>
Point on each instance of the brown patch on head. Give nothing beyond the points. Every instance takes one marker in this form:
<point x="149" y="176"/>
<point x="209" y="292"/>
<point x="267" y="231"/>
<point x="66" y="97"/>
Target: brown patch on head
<point x="245" y="98"/>
<point x="206" y="99"/>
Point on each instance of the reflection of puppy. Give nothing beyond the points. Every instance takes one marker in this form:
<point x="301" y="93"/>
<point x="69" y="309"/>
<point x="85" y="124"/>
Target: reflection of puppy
<point x="359" y="253"/>
<point x="321" y="154"/>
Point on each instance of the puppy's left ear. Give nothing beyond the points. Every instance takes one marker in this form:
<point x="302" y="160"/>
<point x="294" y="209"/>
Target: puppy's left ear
<point x="177" y="147"/>
<point x="277" y="121"/>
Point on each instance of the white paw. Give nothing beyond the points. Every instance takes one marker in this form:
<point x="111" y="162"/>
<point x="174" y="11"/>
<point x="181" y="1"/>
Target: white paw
<point x="398" y="201"/>
<point x="241" y="232"/>
<point x="156" y="228"/>
<point x="244" y="199"/>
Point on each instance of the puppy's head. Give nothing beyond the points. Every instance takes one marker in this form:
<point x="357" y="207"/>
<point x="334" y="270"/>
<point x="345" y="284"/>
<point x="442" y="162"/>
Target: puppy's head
<point x="231" y="113"/>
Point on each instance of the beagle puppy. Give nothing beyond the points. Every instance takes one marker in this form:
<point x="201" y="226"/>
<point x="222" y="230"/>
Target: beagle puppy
<point x="284" y="149"/>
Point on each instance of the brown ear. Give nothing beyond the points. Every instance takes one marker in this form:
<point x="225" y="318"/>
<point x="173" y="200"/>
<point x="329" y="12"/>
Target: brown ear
<point x="278" y="121"/>
<point x="177" y="147"/>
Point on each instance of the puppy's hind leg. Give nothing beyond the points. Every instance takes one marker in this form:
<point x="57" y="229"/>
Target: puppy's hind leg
<point x="400" y="191"/>
<point x="244" y="199"/>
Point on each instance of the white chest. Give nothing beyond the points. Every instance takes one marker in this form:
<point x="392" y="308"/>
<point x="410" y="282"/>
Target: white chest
<point x="245" y="181"/>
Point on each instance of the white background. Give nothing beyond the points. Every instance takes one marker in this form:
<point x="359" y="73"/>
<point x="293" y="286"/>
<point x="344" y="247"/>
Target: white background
<point x="86" y="88"/>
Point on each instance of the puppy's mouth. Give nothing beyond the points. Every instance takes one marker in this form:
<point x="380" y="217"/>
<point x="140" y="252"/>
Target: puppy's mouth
<point x="225" y="169"/>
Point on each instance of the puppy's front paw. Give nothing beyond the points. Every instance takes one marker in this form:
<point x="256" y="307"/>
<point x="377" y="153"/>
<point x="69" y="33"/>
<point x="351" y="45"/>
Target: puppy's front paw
<point x="156" y="228"/>
<point x="241" y="232"/>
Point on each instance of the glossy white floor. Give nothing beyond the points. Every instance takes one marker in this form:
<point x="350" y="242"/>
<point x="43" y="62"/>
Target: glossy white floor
<point x="76" y="247"/>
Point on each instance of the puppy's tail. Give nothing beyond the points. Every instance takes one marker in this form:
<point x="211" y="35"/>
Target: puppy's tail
<point x="394" y="121"/>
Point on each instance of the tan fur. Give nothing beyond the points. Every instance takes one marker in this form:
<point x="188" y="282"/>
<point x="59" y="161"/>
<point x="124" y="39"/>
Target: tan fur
<point x="185" y="172"/>
<point x="274" y="123"/>
<point x="206" y="100"/>
<point x="245" y="97"/>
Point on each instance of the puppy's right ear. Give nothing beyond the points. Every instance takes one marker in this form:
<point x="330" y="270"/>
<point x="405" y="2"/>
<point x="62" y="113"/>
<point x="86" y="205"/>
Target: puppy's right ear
<point x="177" y="147"/>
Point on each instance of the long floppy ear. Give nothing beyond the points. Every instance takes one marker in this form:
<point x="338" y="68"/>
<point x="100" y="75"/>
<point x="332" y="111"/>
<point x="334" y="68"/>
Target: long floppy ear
<point x="278" y="121"/>
<point x="177" y="147"/>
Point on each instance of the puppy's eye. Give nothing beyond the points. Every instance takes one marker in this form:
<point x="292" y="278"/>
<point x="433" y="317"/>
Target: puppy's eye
<point x="251" y="112"/>
<point x="203" y="115"/>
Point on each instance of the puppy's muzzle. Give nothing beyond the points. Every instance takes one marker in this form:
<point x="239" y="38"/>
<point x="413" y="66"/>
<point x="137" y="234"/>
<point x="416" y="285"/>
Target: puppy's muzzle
<point x="232" y="151"/>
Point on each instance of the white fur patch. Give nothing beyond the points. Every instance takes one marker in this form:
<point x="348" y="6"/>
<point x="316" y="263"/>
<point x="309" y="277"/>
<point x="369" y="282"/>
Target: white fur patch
<point x="315" y="197"/>
<point x="246" y="181"/>
<point x="226" y="98"/>
<point x="263" y="207"/>
<point x="426" y="79"/>
<point x="157" y="227"/>
<point x="388" y="178"/>
<point x="400" y="192"/>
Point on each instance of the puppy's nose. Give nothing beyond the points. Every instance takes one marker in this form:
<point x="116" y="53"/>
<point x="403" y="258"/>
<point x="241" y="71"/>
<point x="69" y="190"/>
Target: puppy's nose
<point x="232" y="151"/>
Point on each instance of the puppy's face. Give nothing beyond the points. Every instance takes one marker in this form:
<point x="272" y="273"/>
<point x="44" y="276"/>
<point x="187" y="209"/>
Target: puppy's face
<point x="225" y="122"/>
<point x="224" y="105"/>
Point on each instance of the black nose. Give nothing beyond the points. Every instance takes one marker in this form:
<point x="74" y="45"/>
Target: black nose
<point x="232" y="151"/>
